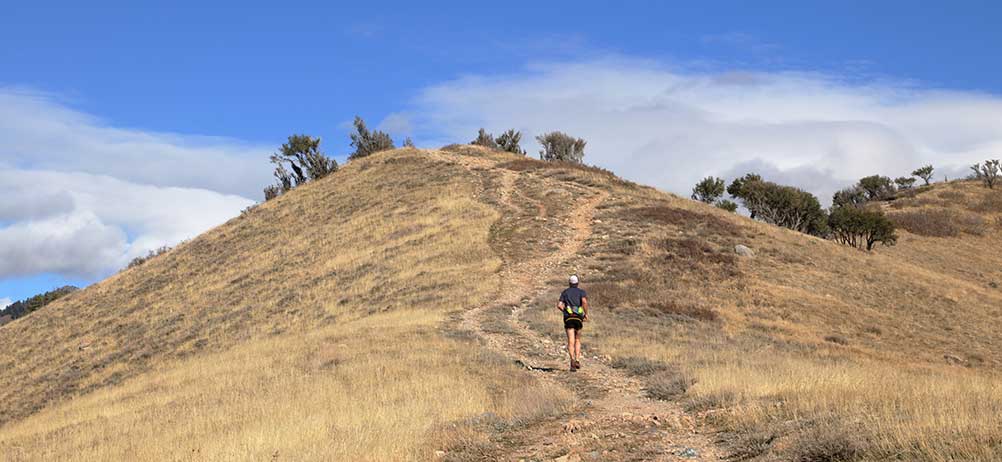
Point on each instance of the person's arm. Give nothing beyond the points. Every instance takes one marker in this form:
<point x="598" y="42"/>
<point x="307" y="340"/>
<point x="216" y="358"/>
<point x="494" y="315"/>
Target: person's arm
<point x="584" y="305"/>
<point x="561" y="306"/>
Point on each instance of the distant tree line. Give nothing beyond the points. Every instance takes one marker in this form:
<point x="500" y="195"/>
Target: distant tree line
<point x="301" y="160"/>
<point x="851" y="220"/>
<point x="24" y="307"/>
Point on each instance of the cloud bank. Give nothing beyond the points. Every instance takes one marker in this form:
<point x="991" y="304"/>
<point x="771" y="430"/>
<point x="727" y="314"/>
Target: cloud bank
<point x="658" y="125"/>
<point x="82" y="198"/>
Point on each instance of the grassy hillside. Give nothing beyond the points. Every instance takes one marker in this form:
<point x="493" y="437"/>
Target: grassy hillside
<point x="809" y="350"/>
<point x="309" y="328"/>
<point x="323" y="321"/>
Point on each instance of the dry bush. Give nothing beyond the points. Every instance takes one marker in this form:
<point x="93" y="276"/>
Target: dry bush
<point x="668" y="385"/>
<point x="938" y="222"/>
<point x="684" y="310"/>
<point x="708" y="224"/>
<point x="828" y="443"/>
<point x="692" y="255"/>
<point x="954" y="196"/>
<point x="638" y="366"/>
<point x="991" y="203"/>
<point x="837" y="339"/>
<point x="611" y="295"/>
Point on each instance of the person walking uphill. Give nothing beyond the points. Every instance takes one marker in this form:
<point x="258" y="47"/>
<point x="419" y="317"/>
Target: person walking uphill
<point x="574" y="306"/>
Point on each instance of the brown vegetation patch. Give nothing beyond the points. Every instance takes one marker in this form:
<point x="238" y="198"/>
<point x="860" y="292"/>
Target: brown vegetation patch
<point x="610" y="295"/>
<point x="686" y="310"/>
<point x="938" y="222"/>
<point x="668" y="385"/>
<point x="638" y="366"/>
<point x="837" y="339"/>
<point x="953" y="196"/>
<point x="665" y="215"/>
<point x="694" y="255"/>
<point x="828" y="443"/>
<point x="991" y="203"/>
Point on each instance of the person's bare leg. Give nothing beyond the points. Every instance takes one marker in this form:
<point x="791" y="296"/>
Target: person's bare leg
<point x="570" y="343"/>
<point x="577" y="346"/>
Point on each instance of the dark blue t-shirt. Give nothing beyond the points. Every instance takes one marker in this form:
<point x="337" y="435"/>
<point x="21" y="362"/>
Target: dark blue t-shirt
<point x="572" y="297"/>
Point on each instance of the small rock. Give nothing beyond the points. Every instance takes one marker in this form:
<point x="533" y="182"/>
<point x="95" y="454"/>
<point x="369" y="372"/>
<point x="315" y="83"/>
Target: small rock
<point x="688" y="452"/>
<point x="954" y="360"/>
<point x="439" y="454"/>
<point x="744" y="251"/>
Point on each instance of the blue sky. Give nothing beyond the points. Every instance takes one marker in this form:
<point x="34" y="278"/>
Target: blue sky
<point x="144" y="98"/>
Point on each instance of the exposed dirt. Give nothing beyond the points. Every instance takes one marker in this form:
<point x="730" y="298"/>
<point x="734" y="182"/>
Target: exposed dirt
<point x="614" y="420"/>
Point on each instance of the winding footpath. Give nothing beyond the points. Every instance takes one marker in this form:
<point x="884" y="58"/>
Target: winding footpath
<point x="621" y="422"/>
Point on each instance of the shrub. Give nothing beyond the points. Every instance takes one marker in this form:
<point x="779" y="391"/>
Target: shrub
<point x="828" y="442"/>
<point x="708" y="190"/>
<point x="272" y="191"/>
<point x="668" y="385"/>
<point x="727" y="205"/>
<point x="149" y="255"/>
<point x="989" y="204"/>
<point x="509" y="141"/>
<point x="408" y="143"/>
<point x="988" y="172"/>
<point x="861" y="227"/>
<point x="368" y="142"/>
<point x="561" y="147"/>
<point x="837" y="339"/>
<point x="925" y="173"/>
<point x="904" y="182"/>
<point x="485" y="139"/>
<point x="780" y="205"/>
<point x="302" y="154"/>
<point x="849" y="197"/>
<point x="876" y="187"/>
<point x="638" y="366"/>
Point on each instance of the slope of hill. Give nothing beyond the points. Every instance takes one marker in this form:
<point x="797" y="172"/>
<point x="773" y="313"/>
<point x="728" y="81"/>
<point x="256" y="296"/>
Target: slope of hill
<point x="375" y="314"/>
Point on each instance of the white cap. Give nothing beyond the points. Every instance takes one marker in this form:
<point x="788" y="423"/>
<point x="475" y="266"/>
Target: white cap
<point x="574" y="279"/>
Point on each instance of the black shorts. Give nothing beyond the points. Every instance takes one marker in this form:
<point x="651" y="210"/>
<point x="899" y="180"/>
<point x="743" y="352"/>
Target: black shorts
<point x="573" y="323"/>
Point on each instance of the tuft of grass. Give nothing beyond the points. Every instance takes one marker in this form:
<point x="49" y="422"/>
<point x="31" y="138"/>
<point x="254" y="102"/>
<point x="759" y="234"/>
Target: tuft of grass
<point x="827" y="443"/>
<point x="668" y="385"/>
<point x="837" y="339"/>
<point x="637" y="366"/>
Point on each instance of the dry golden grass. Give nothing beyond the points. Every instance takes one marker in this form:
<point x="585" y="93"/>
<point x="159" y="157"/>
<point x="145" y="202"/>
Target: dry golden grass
<point x="810" y="349"/>
<point x="309" y="329"/>
<point x="372" y="389"/>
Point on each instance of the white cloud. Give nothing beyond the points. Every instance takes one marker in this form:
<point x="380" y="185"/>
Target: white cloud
<point x="5" y="302"/>
<point x="86" y="231"/>
<point x="661" y="126"/>
<point x="396" y="123"/>
<point x="38" y="132"/>
<point x="82" y="198"/>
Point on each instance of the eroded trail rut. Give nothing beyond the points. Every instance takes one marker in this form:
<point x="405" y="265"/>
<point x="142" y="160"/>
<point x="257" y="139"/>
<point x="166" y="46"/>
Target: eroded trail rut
<point x="615" y="420"/>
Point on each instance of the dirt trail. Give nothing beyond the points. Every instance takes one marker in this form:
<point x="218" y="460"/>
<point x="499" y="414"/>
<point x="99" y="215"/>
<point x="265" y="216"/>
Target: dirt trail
<point x="616" y="421"/>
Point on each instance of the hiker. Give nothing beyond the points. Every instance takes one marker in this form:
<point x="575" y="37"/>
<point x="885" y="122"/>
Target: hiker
<point x="574" y="306"/>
